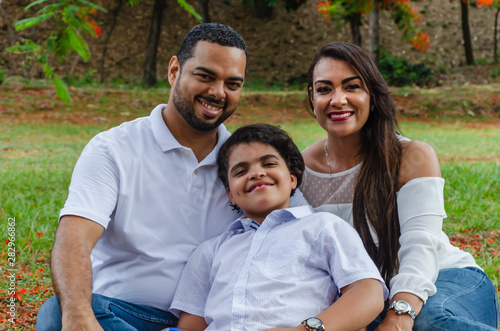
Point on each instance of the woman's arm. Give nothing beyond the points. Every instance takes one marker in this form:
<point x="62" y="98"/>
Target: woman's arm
<point x="418" y="161"/>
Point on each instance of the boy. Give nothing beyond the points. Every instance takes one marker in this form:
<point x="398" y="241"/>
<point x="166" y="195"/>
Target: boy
<point x="276" y="266"/>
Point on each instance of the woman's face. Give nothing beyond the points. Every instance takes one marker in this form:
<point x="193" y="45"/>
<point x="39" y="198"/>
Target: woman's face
<point x="340" y="97"/>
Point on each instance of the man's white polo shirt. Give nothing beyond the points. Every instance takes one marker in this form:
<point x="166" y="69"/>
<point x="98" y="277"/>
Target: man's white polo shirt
<point x="156" y="203"/>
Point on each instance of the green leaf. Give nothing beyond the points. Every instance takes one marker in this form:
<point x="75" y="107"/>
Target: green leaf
<point x="51" y="8"/>
<point x="189" y="9"/>
<point x="93" y="5"/>
<point x="62" y="90"/>
<point x="29" y="22"/>
<point x="34" y="3"/>
<point x="78" y="44"/>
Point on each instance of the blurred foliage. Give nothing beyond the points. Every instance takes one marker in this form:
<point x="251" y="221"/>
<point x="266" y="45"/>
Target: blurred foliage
<point x="400" y="72"/>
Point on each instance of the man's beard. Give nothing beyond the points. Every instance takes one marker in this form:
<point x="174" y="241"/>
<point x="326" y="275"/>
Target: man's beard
<point x="186" y="109"/>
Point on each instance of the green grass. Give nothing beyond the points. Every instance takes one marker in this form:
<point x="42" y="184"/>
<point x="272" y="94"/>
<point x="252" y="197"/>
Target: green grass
<point x="37" y="159"/>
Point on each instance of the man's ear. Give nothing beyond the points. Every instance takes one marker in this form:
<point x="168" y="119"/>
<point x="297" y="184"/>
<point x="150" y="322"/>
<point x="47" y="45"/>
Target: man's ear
<point x="174" y="69"/>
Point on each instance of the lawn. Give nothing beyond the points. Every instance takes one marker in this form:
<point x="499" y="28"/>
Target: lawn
<point x="41" y="139"/>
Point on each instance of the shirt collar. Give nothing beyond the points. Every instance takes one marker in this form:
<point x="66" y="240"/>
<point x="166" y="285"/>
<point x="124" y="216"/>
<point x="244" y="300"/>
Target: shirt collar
<point x="244" y="224"/>
<point x="167" y="141"/>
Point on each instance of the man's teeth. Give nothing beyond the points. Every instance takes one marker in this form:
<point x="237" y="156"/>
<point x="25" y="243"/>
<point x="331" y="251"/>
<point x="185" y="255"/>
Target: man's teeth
<point x="210" y="107"/>
<point x="339" y="115"/>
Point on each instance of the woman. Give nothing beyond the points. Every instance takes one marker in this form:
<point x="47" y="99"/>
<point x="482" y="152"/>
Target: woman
<point x="391" y="190"/>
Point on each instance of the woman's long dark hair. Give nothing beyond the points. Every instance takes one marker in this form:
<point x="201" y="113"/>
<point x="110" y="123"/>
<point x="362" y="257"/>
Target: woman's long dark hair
<point x="375" y="193"/>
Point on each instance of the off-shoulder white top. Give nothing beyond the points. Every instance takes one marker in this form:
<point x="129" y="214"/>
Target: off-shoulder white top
<point x="425" y="248"/>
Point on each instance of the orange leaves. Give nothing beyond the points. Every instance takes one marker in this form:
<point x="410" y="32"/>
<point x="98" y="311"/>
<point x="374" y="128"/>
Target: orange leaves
<point x="421" y="41"/>
<point x="484" y="3"/>
<point x="93" y="25"/>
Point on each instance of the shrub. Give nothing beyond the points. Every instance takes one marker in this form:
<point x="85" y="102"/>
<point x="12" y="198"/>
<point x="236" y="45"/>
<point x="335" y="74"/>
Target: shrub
<point x="400" y="72"/>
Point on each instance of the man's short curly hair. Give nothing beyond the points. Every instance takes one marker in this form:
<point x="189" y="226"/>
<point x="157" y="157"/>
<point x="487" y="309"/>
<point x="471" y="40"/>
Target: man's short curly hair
<point x="215" y="33"/>
<point x="268" y="135"/>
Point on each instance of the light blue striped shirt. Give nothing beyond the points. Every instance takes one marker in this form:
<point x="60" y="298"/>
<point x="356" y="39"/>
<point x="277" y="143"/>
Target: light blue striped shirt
<point x="274" y="275"/>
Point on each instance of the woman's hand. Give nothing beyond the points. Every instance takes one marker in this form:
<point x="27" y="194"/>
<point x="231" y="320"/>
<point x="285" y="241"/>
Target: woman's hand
<point x="297" y="328"/>
<point x="395" y="322"/>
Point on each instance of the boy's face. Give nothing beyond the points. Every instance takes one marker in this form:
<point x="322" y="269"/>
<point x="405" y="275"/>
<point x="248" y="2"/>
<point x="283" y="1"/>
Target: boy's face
<point x="259" y="180"/>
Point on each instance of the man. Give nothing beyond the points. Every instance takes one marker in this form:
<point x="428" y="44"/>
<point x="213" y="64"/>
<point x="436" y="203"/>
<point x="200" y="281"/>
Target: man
<point x="143" y="196"/>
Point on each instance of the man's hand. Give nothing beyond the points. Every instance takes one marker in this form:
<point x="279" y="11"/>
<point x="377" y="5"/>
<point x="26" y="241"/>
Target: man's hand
<point x="80" y="321"/>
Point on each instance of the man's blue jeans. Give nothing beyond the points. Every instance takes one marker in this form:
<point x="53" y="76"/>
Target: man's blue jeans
<point x="465" y="300"/>
<point x="112" y="314"/>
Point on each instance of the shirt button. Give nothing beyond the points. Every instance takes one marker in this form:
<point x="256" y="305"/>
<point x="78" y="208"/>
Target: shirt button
<point x="186" y="152"/>
<point x="238" y="300"/>
<point x="238" y="326"/>
<point x="243" y="276"/>
<point x="196" y="172"/>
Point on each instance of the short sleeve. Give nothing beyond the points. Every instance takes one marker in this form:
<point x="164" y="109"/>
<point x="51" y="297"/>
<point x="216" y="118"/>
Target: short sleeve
<point x="94" y="187"/>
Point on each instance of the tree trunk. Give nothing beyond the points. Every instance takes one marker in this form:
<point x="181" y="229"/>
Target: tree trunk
<point x="204" y="10"/>
<point x="469" y="57"/>
<point x="149" y="77"/>
<point x="263" y="10"/>
<point x="495" y="41"/>
<point x="375" y="33"/>
<point x="355" y="21"/>
<point x="114" y="12"/>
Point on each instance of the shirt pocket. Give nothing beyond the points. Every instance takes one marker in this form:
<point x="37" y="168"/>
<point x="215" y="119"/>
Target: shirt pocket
<point x="287" y="261"/>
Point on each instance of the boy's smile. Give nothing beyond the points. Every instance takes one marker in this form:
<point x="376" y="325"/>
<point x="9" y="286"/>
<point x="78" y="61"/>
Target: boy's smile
<point x="259" y="180"/>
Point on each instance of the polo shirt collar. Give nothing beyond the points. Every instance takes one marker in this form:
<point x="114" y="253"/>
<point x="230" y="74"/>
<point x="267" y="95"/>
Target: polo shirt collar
<point x="244" y="224"/>
<point x="167" y="141"/>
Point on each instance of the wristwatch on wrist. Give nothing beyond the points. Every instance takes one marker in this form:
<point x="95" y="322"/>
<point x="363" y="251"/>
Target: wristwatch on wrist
<point x="402" y="307"/>
<point x="313" y="324"/>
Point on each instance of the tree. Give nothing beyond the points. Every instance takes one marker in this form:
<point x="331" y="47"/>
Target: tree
<point x="115" y="11"/>
<point x="204" y="10"/>
<point x="464" y="9"/>
<point x="149" y="75"/>
<point x="374" y="33"/>
<point x="495" y="35"/>
<point x="495" y="5"/>
<point x="403" y="14"/>
<point x="346" y="11"/>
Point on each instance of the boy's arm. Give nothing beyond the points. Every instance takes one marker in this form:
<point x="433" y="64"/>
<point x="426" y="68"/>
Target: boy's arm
<point x="361" y="302"/>
<point x="189" y="322"/>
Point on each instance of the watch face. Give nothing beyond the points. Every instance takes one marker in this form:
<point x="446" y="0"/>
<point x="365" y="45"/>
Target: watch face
<point x="313" y="323"/>
<point x="401" y="306"/>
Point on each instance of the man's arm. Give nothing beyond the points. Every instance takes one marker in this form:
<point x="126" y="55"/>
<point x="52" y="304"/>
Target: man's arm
<point x="71" y="271"/>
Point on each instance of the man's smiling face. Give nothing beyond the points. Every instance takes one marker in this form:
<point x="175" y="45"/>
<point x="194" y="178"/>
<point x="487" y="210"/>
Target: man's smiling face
<point x="207" y="89"/>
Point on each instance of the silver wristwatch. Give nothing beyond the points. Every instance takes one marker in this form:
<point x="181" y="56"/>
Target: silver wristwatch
<point x="402" y="307"/>
<point x="313" y="324"/>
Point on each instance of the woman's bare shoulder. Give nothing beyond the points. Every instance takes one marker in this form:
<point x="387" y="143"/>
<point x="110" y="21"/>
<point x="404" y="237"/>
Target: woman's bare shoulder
<point x="418" y="160"/>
